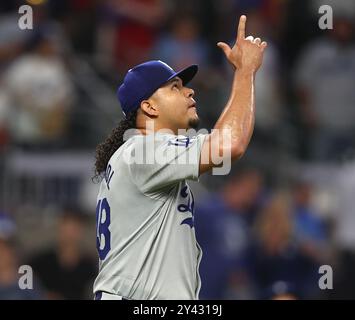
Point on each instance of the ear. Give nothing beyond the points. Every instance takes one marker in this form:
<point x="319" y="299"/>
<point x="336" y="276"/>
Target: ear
<point x="149" y="108"/>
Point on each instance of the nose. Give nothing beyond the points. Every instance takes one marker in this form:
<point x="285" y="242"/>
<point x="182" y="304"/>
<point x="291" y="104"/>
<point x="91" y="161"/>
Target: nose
<point x="190" y="92"/>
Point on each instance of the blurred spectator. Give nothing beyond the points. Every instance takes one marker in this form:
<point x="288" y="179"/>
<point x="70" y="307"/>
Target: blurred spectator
<point x="310" y="229"/>
<point x="41" y="93"/>
<point x="222" y="223"/>
<point x="65" y="271"/>
<point x="281" y="290"/>
<point x="203" y="11"/>
<point x="344" y="215"/>
<point x="182" y="45"/>
<point x="324" y="77"/>
<point x="300" y="25"/>
<point x="4" y="115"/>
<point x="268" y="95"/>
<point x="128" y="31"/>
<point x="345" y="233"/>
<point x="7" y="227"/>
<point x="78" y="18"/>
<point x="9" y="276"/>
<point x="275" y="256"/>
<point x="12" y="39"/>
<point x="12" y="44"/>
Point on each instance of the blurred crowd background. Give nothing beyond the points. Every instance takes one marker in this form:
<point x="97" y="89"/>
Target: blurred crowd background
<point x="286" y="208"/>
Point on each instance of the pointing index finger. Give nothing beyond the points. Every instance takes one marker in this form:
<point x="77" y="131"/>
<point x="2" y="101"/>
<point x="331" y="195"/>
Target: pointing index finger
<point x="241" y="27"/>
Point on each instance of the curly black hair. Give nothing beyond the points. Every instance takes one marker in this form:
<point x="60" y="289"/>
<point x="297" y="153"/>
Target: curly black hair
<point x="106" y="149"/>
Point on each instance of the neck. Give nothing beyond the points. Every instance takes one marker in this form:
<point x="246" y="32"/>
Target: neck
<point x="151" y="126"/>
<point x="145" y="131"/>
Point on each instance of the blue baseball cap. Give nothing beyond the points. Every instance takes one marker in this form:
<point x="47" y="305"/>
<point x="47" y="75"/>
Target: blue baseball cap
<point x="144" y="79"/>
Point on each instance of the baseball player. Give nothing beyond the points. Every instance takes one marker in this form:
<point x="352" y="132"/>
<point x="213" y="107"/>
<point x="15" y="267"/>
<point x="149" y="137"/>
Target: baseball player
<point x="145" y="229"/>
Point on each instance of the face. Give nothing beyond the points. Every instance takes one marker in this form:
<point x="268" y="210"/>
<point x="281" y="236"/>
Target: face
<point x="175" y="106"/>
<point x="70" y="231"/>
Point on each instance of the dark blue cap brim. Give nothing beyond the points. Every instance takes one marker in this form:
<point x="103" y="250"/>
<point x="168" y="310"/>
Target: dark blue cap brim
<point x="186" y="75"/>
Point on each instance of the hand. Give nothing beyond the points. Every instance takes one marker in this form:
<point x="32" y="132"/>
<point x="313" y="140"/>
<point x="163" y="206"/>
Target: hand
<point x="247" y="53"/>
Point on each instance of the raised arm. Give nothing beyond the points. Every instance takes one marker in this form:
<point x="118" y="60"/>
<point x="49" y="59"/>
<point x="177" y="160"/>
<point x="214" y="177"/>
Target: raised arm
<point x="236" y="123"/>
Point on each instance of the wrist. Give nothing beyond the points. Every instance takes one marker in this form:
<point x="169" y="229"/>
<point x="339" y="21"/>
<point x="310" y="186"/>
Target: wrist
<point x="246" y="71"/>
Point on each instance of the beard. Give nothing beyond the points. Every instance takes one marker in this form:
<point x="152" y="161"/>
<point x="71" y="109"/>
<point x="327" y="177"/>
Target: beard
<point x="193" y="123"/>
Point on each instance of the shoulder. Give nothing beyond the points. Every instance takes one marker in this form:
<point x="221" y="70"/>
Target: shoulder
<point x="161" y="145"/>
<point x="152" y="141"/>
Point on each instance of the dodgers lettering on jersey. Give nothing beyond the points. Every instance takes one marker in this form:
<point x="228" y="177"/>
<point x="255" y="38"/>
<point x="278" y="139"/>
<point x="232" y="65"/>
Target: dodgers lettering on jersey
<point x="145" y="225"/>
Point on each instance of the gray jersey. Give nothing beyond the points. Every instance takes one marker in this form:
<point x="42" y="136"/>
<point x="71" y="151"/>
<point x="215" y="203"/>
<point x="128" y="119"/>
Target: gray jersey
<point x="145" y="228"/>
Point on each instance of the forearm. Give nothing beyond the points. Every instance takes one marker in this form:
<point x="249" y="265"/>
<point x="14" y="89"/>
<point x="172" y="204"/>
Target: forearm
<point x="238" y="116"/>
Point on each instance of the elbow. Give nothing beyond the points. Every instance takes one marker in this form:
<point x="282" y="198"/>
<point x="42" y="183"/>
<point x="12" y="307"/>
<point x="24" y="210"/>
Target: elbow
<point x="237" y="151"/>
<point x="232" y="152"/>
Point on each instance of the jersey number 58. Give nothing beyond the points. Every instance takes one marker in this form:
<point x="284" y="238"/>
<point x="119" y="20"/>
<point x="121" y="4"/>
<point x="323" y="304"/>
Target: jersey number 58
<point x="103" y="234"/>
